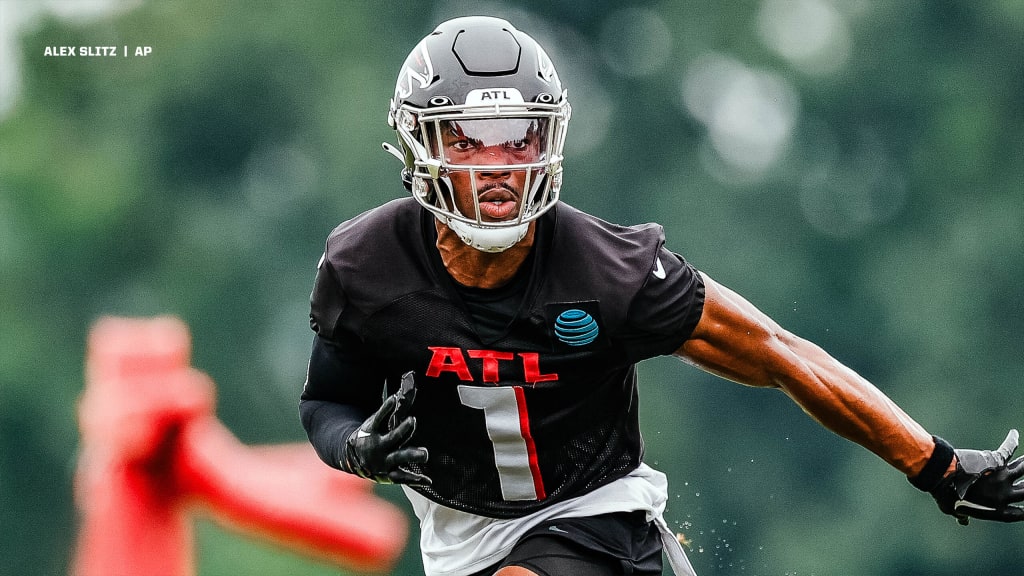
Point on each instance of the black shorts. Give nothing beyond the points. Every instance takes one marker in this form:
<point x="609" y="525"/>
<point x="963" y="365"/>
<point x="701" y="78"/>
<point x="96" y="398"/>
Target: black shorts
<point x="605" y="545"/>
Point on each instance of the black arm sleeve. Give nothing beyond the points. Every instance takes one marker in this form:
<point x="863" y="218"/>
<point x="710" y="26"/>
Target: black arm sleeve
<point x="338" y="396"/>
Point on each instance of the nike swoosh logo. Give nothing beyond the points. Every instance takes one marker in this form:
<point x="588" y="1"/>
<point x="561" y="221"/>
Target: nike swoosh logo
<point x="965" y="504"/>
<point x="659" y="270"/>
<point x="557" y="529"/>
<point x="362" y="433"/>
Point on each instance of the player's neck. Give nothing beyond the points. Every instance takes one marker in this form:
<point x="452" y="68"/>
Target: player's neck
<point x="476" y="268"/>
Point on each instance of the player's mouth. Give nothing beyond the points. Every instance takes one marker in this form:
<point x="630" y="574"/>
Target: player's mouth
<point x="497" y="203"/>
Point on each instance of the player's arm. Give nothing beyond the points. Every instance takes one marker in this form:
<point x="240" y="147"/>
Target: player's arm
<point x="739" y="342"/>
<point x="348" y="428"/>
<point x="335" y="399"/>
<point x="341" y="408"/>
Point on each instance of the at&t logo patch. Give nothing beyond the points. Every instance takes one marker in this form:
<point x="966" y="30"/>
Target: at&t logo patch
<point x="576" y="327"/>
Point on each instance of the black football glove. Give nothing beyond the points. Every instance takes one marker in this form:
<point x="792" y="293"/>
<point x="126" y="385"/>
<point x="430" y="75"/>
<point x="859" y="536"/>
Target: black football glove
<point x="984" y="485"/>
<point x="377" y="450"/>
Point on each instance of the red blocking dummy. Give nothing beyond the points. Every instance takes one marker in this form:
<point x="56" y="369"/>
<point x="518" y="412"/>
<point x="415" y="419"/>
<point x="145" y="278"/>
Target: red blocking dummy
<point x="153" y="453"/>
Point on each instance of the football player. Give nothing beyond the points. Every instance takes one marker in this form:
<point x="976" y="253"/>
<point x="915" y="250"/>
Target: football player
<point x="477" y="343"/>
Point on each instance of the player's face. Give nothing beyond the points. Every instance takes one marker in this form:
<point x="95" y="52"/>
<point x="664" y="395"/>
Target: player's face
<point x="492" y="164"/>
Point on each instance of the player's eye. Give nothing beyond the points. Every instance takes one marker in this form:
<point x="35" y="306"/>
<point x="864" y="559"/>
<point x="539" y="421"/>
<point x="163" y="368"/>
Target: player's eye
<point x="464" y="145"/>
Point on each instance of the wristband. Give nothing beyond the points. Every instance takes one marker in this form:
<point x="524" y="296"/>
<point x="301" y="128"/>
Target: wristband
<point x="935" y="469"/>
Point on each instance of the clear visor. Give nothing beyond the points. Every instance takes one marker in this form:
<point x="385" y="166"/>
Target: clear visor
<point x="494" y="141"/>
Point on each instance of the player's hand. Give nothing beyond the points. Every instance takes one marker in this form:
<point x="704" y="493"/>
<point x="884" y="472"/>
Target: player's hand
<point x="377" y="450"/>
<point x="984" y="485"/>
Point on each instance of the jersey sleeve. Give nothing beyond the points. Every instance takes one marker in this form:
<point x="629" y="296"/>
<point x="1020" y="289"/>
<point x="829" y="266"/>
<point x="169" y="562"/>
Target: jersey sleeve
<point x="666" y="309"/>
<point x="326" y="302"/>
<point x="341" y="369"/>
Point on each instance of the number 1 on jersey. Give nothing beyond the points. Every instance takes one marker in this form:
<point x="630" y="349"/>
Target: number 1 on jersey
<point x="508" y="427"/>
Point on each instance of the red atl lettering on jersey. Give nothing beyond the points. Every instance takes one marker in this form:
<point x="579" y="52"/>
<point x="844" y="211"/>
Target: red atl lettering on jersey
<point x="451" y="359"/>
<point x="448" y="360"/>
<point x="531" y="369"/>
<point x="491" y="359"/>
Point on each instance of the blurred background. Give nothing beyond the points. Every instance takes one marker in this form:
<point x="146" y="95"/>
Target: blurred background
<point x="854" y="168"/>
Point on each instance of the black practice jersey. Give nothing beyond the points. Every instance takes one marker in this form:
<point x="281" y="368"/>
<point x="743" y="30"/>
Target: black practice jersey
<point x="533" y="404"/>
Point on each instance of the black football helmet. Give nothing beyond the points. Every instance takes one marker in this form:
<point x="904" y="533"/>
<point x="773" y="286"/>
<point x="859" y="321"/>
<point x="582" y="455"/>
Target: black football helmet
<point x="480" y="77"/>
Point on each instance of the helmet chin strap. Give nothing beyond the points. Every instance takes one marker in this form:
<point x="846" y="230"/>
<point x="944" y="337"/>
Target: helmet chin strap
<point x="489" y="239"/>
